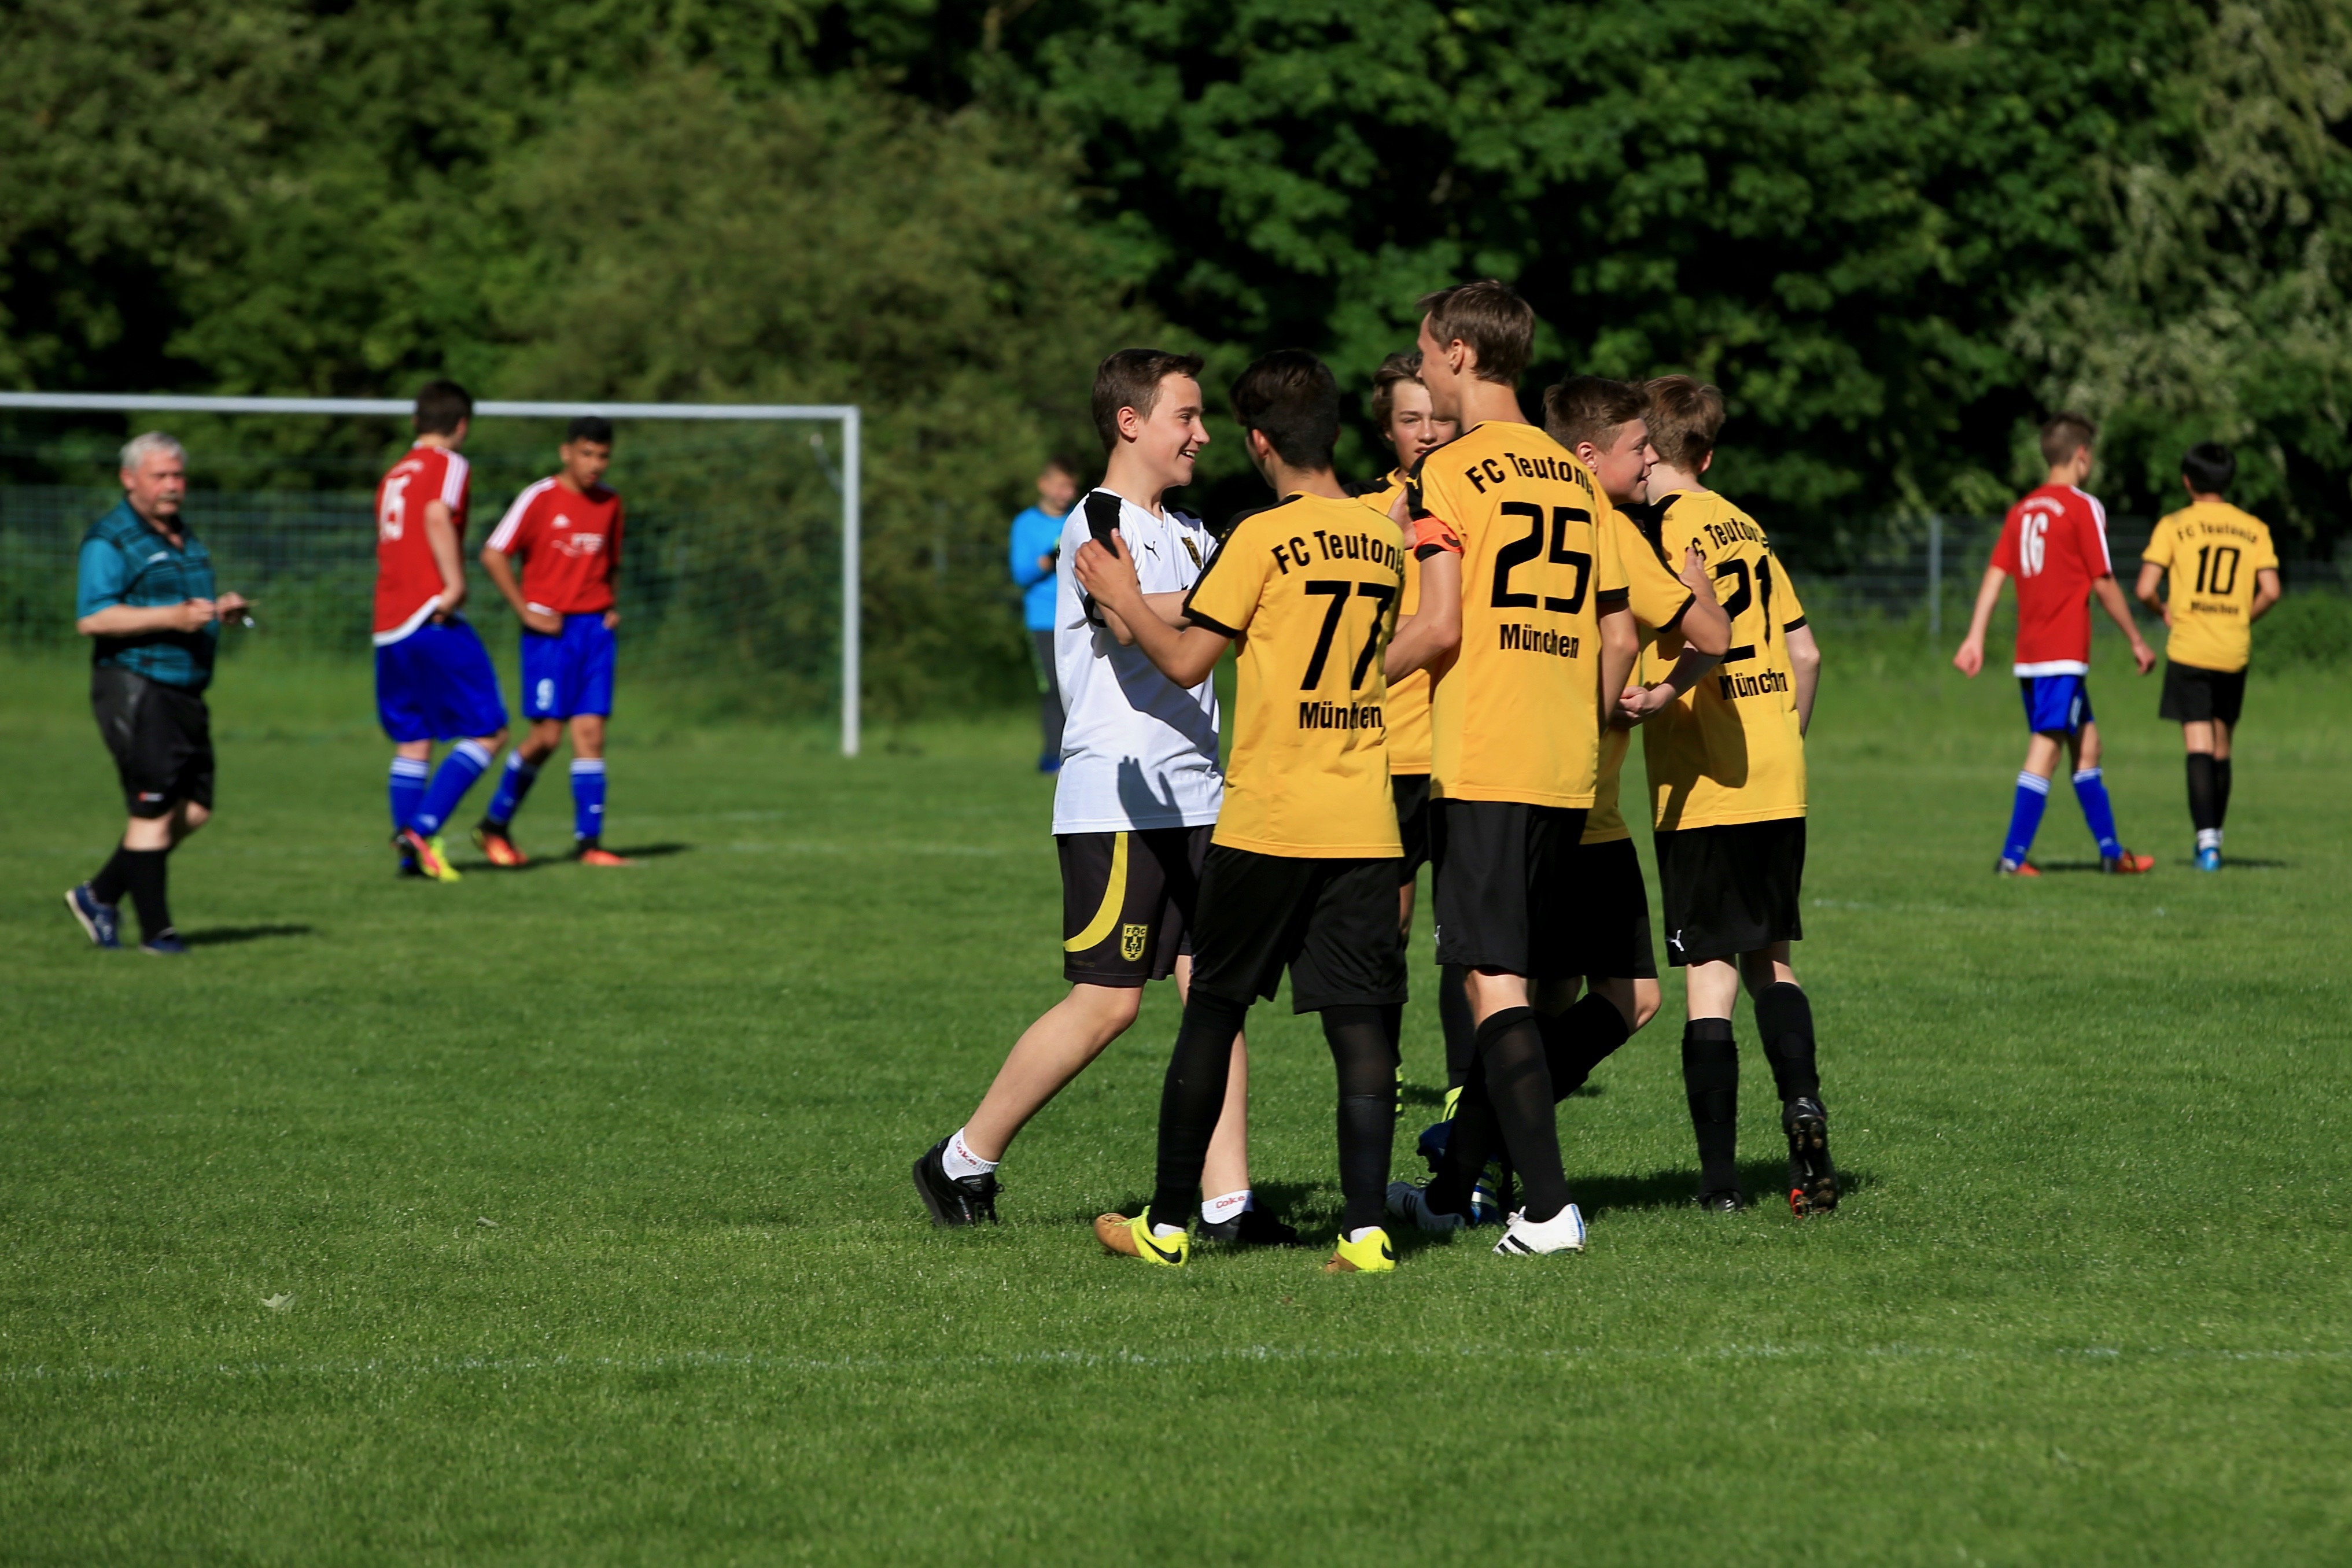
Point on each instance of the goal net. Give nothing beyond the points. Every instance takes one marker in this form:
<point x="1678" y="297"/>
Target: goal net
<point x="738" y="571"/>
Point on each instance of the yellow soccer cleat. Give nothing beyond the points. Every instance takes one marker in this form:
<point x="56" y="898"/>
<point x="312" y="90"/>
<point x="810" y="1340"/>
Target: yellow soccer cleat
<point x="1373" y="1255"/>
<point x="1133" y="1239"/>
<point x="431" y="859"/>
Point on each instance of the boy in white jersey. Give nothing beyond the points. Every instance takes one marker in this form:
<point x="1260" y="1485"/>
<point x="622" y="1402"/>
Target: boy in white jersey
<point x="1133" y="805"/>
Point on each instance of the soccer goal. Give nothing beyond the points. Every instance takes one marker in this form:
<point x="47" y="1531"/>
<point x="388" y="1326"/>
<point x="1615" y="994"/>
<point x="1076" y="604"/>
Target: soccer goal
<point x="719" y="572"/>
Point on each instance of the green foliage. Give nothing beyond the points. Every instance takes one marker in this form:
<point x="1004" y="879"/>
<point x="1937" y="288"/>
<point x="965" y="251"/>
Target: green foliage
<point x="2314" y="629"/>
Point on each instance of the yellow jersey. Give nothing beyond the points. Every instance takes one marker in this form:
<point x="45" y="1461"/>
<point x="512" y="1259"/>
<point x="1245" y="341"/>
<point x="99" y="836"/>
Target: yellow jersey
<point x="1308" y="590"/>
<point x="1728" y="750"/>
<point x="1515" y="715"/>
<point x="1408" y="703"/>
<point x="1657" y="598"/>
<point x="2211" y="552"/>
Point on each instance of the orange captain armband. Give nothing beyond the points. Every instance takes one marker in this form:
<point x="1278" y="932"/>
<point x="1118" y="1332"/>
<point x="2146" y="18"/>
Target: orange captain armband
<point x="1431" y="535"/>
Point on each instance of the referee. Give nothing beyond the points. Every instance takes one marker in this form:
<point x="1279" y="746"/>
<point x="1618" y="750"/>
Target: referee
<point x="145" y="599"/>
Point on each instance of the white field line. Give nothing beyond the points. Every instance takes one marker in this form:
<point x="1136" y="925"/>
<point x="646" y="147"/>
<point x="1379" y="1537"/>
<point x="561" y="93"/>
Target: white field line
<point x="755" y="1361"/>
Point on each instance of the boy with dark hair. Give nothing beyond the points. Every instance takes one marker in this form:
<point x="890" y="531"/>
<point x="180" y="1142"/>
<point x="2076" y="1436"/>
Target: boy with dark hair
<point x="2224" y="577"/>
<point x="1301" y="871"/>
<point x="433" y="676"/>
<point x="1133" y="805"/>
<point x="2054" y="543"/>
<point x="1524" y="590"/>
<point x="1727" y="765"/>
<point x="1033" y="547"/>
<point x="567" y="529"/>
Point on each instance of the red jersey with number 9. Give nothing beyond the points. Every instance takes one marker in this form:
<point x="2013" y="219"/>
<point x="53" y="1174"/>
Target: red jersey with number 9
<point x="2054" y="543"/>
<point x="407" y="582"/>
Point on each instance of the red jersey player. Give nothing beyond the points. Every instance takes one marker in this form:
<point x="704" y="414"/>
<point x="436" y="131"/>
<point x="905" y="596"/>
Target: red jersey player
<point x="433" y="676"/>
<point x="567" y="529"/>
<point x="2054" y="543"/>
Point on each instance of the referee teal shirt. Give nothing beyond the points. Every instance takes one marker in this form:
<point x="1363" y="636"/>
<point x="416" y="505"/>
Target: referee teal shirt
<point x="125" y="561"/>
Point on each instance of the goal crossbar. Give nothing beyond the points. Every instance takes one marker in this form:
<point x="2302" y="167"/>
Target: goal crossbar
<point x="845" y="414"/>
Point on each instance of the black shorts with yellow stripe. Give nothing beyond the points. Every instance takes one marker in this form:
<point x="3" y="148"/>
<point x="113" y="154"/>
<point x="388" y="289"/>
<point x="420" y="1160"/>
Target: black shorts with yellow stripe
<point x="1331" y="922"/>
<point x="1127" y="902"/>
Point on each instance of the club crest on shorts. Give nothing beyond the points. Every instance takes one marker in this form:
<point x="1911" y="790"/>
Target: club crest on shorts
<point x="1130" y="941"/>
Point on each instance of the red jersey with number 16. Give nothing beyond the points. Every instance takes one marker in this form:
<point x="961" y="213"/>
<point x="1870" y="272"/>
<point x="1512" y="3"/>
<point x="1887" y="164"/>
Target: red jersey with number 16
<point x="407" y="582"/>
<point x="569" y="543"/>
<point x="2054" y="543"/>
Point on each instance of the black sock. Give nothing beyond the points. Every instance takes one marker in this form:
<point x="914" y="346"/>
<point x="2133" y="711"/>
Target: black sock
<point x="107" y="885"/>
<point x="2204" y="791"/>
<point x="1471" y="1141"/>
<point x="582" y="846"/>
<point x="1191" y="1100"/>
<point x="1461" y="1027"/>
<point x="1784" y="1021"/>
<point x="1519" y="1087"/>
<point x="1392" y="1025"/>
<point x="143" y="874"/>
<point x="2221" y="790"/>
<point x="1365" y="1055"/>
<point x="1581" y="1038"/>
<point x="1711" y="1085"/>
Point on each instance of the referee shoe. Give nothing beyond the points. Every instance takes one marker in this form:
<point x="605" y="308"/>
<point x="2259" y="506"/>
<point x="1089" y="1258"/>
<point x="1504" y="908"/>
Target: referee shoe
<point x="103" y="922"/>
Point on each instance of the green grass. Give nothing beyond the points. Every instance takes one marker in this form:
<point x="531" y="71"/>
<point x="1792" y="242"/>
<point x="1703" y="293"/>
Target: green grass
<point x="589" y="1191"/>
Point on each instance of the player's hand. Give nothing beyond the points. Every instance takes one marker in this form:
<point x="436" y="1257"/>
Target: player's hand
<point x="2143" y="655"/>
<point x="1639" y="703"/>
<point x="546" y="622"/>
<point x="1108" y="575"/>
<point x="612" y="621"/>
<point x="1400" y="513"/>
<point x="1969" y="660"/>
<point x="1694" y="573"/>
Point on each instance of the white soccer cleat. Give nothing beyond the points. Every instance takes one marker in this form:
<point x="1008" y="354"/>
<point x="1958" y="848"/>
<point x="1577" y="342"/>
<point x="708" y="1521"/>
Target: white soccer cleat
<point x="1563" y="1232"/>
<point x="1411" y="1204"/>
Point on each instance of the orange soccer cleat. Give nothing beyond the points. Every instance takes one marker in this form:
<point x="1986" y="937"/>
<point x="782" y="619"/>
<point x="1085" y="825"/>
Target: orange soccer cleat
<point x="492" y="841"/>
<point x="595" y="855"/>
<point x="2128" y="864"/>
<point x="2021" y="868"/>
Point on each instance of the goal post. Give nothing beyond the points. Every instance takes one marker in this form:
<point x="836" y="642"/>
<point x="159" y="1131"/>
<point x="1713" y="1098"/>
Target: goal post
<point x="846" y="415"/>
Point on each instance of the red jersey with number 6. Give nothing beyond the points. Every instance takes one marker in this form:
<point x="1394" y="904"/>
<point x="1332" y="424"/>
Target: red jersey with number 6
<point x="407" y="582"/>
<point x="2054" y="543"/>
<point x="569" y="543"/>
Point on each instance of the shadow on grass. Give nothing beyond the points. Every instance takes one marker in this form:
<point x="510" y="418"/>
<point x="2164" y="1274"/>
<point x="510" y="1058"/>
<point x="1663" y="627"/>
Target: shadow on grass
<point x="653" y="852"/>
<point x="1763" y="1181"/>
<point x="540" y="862"/>
<point x="221" y="935"/>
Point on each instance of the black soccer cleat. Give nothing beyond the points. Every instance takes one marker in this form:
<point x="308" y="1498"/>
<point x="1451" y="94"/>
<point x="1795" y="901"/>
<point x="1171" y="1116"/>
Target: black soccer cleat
<point x="1250" y="1228"/>
<point x="1812" y="1181"/>
<point x="953" y="1200"/>
<point x="1723" y="1201"/>
<point x="406" y="865"/>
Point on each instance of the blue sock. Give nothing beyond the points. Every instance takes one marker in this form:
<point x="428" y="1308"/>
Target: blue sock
<point x="2025" y="818"/>
<point x="407" y="789"/>
<point x="466" y="761"/>
<point x="513" y="784"/>
<point x="587" y="797"/>
<point x="2091" y="790"/>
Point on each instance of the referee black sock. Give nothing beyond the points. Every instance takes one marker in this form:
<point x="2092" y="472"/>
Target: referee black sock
<point x="1711" y="1084"/>
<point x="143" y="874"/>
<point x="1461" y="1027"/>
<point x="2221" y="790"/>
<point x="2204" y="791"/>
<point x="1579" y="1040"/>
<point x="1519" y="1086"/>
<point x="107" y="885"/>
<point x="1365" y="1055"/>
<point x="1191" y="1098"/>
<point x="1784" y="1020"/>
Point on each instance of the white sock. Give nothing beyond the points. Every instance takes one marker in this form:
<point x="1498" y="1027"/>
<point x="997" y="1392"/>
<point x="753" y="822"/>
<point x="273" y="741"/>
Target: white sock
<point x="1361" y="1233"/>
<point x="2209" y="838"/>
<point x="958" y="1160"/>
<point x="1217" y="1211"/>
<point x="1159" y="1229"/>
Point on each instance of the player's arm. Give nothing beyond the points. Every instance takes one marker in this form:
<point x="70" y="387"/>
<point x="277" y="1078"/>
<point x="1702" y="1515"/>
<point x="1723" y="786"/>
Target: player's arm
<point x="1969" y="660"/>
<point x="1620" y="645"/>
<point x="501" y="566"/>
<point x="2110" y="595"/>
<point x="1431" y="633"/>
<point x="1805" y="665"/>
<point x="1185" y="654"/>
<point x="2151" y="578"/>
<point x="2267" y="592"/>
<point x="613" y="565"/>
<point x="1704" y="634"/>
<point x="441" y="539"/>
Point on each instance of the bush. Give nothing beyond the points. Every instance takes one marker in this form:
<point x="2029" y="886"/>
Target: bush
<point x="2312" y="628"/>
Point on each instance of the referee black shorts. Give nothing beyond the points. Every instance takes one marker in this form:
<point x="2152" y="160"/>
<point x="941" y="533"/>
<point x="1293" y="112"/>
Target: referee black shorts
<point x="2195" y="696"/>
<point x="1508" y="886"/>
<point x="1412" y="791"/>
<point x="1731" y="889"/>
<point x="1126" y="902"/>
<point x="161" y="737"/>
<point x="1612" y="917"/>
<point x="1332" y="923"/>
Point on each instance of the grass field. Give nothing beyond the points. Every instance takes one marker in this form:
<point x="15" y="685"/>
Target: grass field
<point x="582" y="1197"/>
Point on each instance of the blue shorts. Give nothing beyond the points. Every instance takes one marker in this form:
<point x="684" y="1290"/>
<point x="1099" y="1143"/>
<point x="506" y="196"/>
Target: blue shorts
<point x="2055" y="705"/>
<point x="437" y="684"/>
<point x="570" y="673"/>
